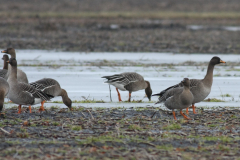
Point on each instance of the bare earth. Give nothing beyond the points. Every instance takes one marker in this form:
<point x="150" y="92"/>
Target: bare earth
<point x="126" y="26"/>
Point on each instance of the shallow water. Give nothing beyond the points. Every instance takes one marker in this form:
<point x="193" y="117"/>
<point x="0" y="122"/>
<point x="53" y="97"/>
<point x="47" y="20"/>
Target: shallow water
<point x="80" y="80"/>
<point x="201" y="27"/>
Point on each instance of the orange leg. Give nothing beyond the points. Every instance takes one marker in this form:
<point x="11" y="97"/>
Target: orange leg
<point x="185" y="117"/>
<point x="194" y="107"/>
<point x="187" y="111"/>
<point x="19" y="109"/>
<point x="174" y="115"/>
<point x="119" y="96"/>
<point x="42" y="107"/>
<point x="30" y="109"/>
<point x="129" y="99"/>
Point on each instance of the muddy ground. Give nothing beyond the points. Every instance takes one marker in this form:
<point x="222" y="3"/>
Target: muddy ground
<point x="119" y="133"/>
<point x="126" y="26"/>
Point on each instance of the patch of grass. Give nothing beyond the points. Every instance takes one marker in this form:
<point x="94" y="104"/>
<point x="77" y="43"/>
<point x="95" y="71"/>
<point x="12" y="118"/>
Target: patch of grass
<point x="54" y="107"/>
<point x="76" y="128"/>
<point x="23" y="130"/>
<point x="165" y="147"/>
<point x="213" y="100"/>
<point x="134" y="127"/>
<point x="223" y="148"/>
<point x="224" y="139"/>
<point x="56" y="123"/>
<point x="172" y="126"/>
<point x="212" y="125"/>
<point x="226" y="95"/>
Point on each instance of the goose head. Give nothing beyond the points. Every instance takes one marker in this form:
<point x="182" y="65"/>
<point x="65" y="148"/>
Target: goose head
<point x="10" y="51"/>
<point x="216" y="60"/>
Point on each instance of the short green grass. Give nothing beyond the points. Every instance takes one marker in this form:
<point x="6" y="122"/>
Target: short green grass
<point x="226" y="95"/>
<point x="76" y="128"/>
<point x="213" y="100"/>
<point x="172" y="126"/>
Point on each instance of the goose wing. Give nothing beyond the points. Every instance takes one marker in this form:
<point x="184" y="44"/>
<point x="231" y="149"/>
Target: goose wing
<point x="124" y="78"/>
<point x="45" y="84"/>
<point x="3" y="73"/>
<point x="169" y="93"/>
<point x="193" y="83"/>
<point x="34" y="92"/>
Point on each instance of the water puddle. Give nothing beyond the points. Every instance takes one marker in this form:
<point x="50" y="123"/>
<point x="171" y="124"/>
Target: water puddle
<point x="83" y="81"/>
<point x="201" y="27"/>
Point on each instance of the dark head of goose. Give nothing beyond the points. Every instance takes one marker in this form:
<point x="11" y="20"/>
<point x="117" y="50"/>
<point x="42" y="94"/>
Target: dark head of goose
<point x="5" y="57"/>
<point x="216" y="60"/>
<point x="148" y="91"/>
<point x="12" y="62"/>
<point x="10" y="51"/>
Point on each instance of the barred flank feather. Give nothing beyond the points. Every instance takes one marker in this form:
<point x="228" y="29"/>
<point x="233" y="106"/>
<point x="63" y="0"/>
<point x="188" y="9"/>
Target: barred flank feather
<point x="33" y="91"/>
<point x="124" y="78"/>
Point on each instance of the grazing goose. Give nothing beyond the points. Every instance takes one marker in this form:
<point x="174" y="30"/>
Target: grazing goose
<point x="200" y="88"/>
<point x="21" y="76"/>
<point x="3" y="72"/>
<point x="130" y="81"/>
<point x="23" y="93"/>
<point x="4" y="88"/>
<point x="53" y="88"/>
<point x="177" y="98"/>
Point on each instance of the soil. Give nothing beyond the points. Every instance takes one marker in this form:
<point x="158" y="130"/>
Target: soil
<point x="69" y="26"/>
<point x="119" y="133"/>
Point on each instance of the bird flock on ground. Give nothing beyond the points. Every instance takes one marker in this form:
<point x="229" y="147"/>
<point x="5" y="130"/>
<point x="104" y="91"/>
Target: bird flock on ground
<point x="14" y="85"/>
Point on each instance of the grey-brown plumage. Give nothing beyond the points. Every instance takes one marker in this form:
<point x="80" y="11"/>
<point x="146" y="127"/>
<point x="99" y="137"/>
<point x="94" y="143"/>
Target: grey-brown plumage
<point x="53" y="88"/>
<point x="21" y="76"/>
<point x="200" y="88"/>
<point x="177" y="98"/>
<point x="3" y="72"/>
<point x="4" y="88"/>
<point x="130" y="81"/>
<point x="23" y="93"/>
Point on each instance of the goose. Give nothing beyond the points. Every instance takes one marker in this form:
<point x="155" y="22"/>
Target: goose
<point x="53" y="88"/>
<point x="3" y="72"/>
<point x="200" y="88"/>
<point x="4" y="88"/>
<point x="129" y="81"/>
<point x="23" y="93"/>
<point x="177" y="98"/>
<point x="21" y="76"/>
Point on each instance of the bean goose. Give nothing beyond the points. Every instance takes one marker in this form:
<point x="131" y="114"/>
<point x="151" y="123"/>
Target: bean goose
<point x="23" y="93"/>
<point x="177" y="98"/>
<point x="21" y="76"/>
<point x="200" y="88"/>
<point x="53" y="88"/>
<point x="3" y="72"/>
<point x="4" y="88"/>
<point x="129" y="81"/>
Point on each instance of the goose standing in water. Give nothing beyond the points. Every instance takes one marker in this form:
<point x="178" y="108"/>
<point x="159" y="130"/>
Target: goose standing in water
<point x="23" y="93"/>
<point x="21" y="76"/>
<point x="177" y="98"/>
<point x="129" y="81"/>
<point x="4" y="71"/>
<point x="53" y="88"/>
<point x="200" y="88"/>
<point x="4" y="88"/>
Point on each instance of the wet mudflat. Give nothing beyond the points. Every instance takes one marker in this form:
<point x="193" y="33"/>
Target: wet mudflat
<point x="119" y="133"/>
